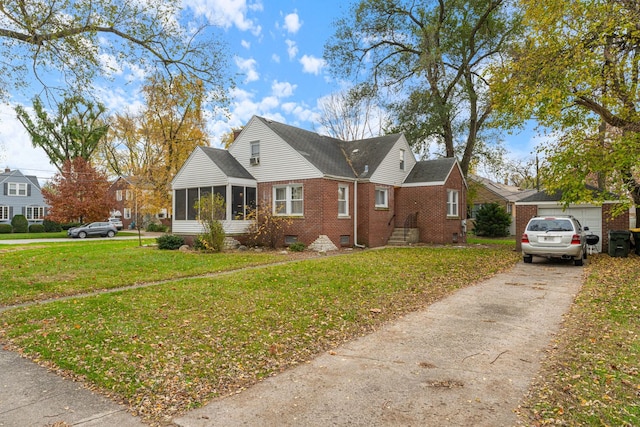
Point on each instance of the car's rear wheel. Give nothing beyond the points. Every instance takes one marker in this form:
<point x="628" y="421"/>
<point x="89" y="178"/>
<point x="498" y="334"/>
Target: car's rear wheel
<point x="527" y="258"/>
<point x="578" y="261"/>
<point x="110" y="233"/>
<point x="82" y="234"/>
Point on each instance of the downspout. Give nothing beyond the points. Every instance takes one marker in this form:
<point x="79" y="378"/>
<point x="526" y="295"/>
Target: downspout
<point x="355" y="215"/>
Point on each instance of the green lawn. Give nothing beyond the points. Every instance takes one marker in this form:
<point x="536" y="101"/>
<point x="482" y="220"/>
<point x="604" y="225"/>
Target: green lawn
<point x="52" y="235"/>
<point x="41" y="271"/>
<point x="173" y="346"/>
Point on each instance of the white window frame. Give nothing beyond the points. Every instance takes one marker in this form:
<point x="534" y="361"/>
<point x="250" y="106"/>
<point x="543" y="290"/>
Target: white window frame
<point x="402" y="159"/>
<point x="119" y="195"/>
<point x="17" y="189"/>
<point x="254" y="149"/>
<point x="127" y="213"/>
<point x="343" y="200"/>
<point x="128" y="195"/>
<point x="453" y="202"/>
<point x="4" y="212"/>
<point x="385" y="195"/>
<point x="39" y="213"/>
<point x="286" y="206"/>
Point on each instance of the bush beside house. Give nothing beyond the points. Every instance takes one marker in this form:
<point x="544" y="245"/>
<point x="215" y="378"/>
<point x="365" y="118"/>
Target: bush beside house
<point x="20" y="224"/>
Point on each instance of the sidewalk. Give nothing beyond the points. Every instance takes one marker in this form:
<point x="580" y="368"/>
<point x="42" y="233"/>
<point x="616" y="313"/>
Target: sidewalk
<point x="466" y="360"/>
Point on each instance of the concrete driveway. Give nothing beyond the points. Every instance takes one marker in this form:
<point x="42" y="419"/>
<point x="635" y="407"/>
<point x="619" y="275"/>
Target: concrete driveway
<point x="465" y="361"/>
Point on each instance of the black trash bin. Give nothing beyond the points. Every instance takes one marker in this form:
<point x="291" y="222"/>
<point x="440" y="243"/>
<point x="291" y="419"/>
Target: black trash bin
<point x="636" y="239"/>
<point x="619" y="243"/>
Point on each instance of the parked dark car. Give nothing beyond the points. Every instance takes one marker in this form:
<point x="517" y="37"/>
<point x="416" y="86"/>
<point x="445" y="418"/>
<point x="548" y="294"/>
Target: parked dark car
<point x="103" y="229"/>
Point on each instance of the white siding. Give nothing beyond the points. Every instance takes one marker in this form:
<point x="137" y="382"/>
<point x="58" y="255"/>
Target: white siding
<point x="278" y="160"/>
<point x="199" y="171"/>
<point x="195" y="227"/>
<point x="389" y="172"/>
<point x="589" y="216"/>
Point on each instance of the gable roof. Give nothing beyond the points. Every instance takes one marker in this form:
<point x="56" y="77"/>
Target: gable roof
<point x="4" y="176"/>
<point x="366" y="155"/>
<point x="507" y="192"/>
<point x="323" y="152"/>
<point x="226" y="162"/>
<point x="434" y="171"/>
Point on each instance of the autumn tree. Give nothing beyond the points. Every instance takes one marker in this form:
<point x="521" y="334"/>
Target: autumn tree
<point x="427" y="61"/>
<point x="83" y="39"/>
<point x="75" y="131"/>
<point x="78" y="193"/>
<point x="577" y="74"/>
<point x="153" y="144"/>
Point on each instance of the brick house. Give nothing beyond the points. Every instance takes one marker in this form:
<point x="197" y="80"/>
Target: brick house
<point x="597" y="217"/>
<point x="353" y="193"/>
<point x="485" y="191"/>
<point x="126" y="204"/>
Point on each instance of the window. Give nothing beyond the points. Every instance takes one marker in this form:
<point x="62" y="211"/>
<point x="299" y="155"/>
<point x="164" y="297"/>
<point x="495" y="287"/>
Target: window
<point x="382" y="198"/>
<point x="119" y="195"/>
<point x="401" y="160"/>
<point x="4" y="212"/>
<point x="180" y="199"/>
<point x="17" y="189"/>
<point x="128" y="195"/>
<point x="343" y="200"/>
<point x="345" y="240"/>
<point x="288" y="200"/>
<point x="452" y="202"/>
<point x="34" y="212"/>
<point x="127" y="213"/>
<point x="255" y="152"/>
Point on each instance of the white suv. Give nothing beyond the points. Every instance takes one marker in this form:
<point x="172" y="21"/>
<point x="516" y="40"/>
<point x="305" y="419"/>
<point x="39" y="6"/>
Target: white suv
<point x="117" y="222"/>
<point x="559" y="236"/>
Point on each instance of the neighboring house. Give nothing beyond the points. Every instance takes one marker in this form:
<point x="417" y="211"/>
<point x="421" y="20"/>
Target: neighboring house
<point x="21" y="195"/>
<point x="597" y="218"/>
<point x="354" y="193"/>
<point x="486" y="191"/>
<point x="127" y="206"/>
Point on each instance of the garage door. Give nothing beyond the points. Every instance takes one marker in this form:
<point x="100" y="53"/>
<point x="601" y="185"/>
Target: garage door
<point x="588" y="216"/>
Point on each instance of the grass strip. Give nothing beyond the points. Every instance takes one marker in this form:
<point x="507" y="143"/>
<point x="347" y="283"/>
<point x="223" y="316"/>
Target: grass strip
<point x="172" y="347"/>
<point x="42" y="271"/>
<point x="592" y="374"/>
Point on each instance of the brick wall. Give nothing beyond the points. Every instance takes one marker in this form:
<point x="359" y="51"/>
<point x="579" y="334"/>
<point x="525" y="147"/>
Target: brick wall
<point x="431" y="204"/>
<point x="375" y="225"/>
<point x="523" y="215"/>
<point x="621" y="222"/>
<point x="320" y="210"/>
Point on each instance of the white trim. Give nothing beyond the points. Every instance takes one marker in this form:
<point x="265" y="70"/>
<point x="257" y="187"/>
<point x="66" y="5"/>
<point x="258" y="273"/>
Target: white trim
<point x="385" y="190"/>
<point x="344" y="214"/>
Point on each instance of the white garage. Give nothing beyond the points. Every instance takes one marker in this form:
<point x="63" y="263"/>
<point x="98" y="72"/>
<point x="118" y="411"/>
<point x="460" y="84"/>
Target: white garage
<point x="588" y="215"/>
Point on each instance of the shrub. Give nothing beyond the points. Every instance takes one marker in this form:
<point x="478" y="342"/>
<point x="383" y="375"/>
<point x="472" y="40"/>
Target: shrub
<point x="492" y="220"/>
<point x="170" y="242"/>
<point x="69" y="225"/>
<point x="51" y="226"/>
<point x="6" y="229"/>
<point x="297" y="247"/>
<point x="20" y="224"/>
<point x="36" y="228"/>
<point x="268" y="229"/>
<point x="153" y="227"/>
<point x="211" y="209"/>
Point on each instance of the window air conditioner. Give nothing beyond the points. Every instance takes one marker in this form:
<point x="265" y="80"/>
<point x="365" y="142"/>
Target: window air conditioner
<point x="254" y="160"/>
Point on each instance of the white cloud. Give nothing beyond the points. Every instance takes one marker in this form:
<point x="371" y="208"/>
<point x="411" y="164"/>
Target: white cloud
<point x="311" y="64"/>
<point x="228" y="13"/>
<point x="17" y="152"/>
<point x="292" y="49"/>
<point x="248" y="68"/>
<point x="275" y="58"/>
<point x="282" y="89"/>
<point x="292" y="22"/>
<point x="245" y="44"/>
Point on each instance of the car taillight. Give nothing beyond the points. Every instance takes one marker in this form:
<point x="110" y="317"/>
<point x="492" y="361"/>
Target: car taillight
<point x="575" y="240"/>
<point x="525" y="238"/>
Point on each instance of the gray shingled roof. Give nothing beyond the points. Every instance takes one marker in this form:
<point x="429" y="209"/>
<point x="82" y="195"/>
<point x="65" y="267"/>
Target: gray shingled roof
<point x="508" y="192"/>
<point x="367" y="154"/>
<point x="543" y="196"/>
<point x="431" y="170"/>
<point x="226" y="162"/>
<point x="323" y="152"/>
<point x="6" y="175"/>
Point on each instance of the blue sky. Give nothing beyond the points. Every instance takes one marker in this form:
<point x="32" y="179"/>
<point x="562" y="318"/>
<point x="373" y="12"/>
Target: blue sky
<point x="276" y="49"/>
